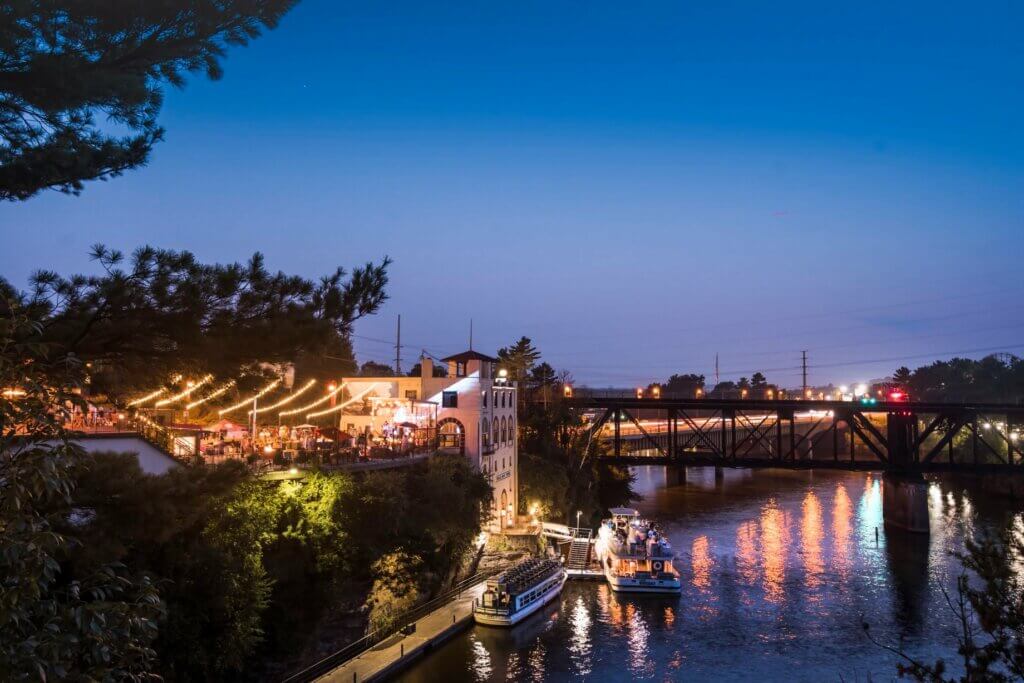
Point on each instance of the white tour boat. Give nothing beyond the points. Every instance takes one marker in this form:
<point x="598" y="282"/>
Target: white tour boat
<point x="518" y="592"/>
<point x="634" y="555"/>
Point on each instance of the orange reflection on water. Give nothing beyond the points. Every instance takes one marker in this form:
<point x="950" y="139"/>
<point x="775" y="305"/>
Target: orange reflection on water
<point x="774" y="541"/>
<point x="702" y="562"/>
<point x="746" y="554"/>
<point x="842" y="527"/>
<point x="811" y="533"/>
<point x="670" y="618"/>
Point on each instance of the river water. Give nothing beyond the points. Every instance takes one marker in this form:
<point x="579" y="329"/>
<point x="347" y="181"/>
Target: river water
<point x="780" y="569"/>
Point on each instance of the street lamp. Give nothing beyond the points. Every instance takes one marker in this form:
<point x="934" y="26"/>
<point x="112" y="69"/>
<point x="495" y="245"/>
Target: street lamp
<point x="579" y="513"/>
<point x="656" y="391"/>
<point x="743" y="393"/>
<point x="771" y="394"/>
<point x="639" y="392"/>
<point x="700" y="392"/>
<point x="567" y="391"/>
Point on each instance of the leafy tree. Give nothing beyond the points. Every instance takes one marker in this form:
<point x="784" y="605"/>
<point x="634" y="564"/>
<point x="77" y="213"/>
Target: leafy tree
<point x="373" y="369"/>
<point x="63" y="64"/>
<point x="417" y="370"/>
<point x="167" y="313"/>
<point x="758" y="384"/>
<point x="991" y="379"/>
<point x="902" y="377"/>
<point x="99" y="625"/>
<point x="395" y="589"/>
<point x="519" y="358"/>
<point x="683" y="385"/>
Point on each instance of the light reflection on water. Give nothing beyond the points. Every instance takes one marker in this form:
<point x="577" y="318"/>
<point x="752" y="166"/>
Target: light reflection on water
<point x="779" y="568"/>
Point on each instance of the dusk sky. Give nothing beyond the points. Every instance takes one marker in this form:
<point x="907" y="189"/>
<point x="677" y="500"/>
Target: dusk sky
<point x="636" y="186"/>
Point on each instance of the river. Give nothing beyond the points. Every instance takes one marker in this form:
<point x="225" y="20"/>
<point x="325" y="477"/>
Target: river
<point x="780" y="569"/>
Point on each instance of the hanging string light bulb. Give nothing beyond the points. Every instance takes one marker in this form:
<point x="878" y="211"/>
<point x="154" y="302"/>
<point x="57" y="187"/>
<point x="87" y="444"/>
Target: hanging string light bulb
<point x="320" y="401"/>
<point x="357" y="397"/>
<point x="259" y="394"/>
<point x="288" y="399"/>
<point x="208" y="397"/>
<point x="145" y="399"/>
<point x="192" y="386"/>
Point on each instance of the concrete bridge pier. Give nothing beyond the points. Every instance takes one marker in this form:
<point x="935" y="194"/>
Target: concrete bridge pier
<point x="719" y="474"/>
<point x="675" y="475"/>
<point x="905" y="502"/>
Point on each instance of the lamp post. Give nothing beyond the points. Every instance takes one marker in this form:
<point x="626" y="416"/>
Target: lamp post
<point x="579" y="513"/>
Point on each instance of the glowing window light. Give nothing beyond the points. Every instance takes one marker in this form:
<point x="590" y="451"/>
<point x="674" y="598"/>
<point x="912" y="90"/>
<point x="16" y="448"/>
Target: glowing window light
<point x="184" y="394"/>
<point x="341" y="405"/>
<point x="259" y="394"/>
<point x="204" y="399"/>
<point x="320" y="401"/>
<point x="287" y="399"/>
<point x="146" y="398"/>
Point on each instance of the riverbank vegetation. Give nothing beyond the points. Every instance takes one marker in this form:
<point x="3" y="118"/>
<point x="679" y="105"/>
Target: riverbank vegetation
<point x="248" y="570"/>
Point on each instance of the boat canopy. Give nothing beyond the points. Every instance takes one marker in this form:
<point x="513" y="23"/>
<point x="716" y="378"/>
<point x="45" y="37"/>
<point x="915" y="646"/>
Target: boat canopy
<point x="624" y="512"/>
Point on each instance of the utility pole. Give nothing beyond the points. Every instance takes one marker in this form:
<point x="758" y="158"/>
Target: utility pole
<point x="398" y="347"/>
<point x="803" y="355"/>
<point x="717" y="379"/>
<point x="470" y="334"/>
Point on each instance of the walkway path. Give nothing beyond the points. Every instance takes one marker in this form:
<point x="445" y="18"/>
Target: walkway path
<point x="396" y="651"/>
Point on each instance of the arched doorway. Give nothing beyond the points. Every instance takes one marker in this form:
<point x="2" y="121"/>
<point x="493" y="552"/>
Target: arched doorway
<point x="502" y="518"/>
<point x="451" y="435"/>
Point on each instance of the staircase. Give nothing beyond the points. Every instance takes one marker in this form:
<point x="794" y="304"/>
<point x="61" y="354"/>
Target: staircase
<point x="579" y="553"/>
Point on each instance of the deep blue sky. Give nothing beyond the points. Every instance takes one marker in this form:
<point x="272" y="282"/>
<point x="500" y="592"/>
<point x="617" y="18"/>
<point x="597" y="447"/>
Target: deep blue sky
<point x="636" y="186"/>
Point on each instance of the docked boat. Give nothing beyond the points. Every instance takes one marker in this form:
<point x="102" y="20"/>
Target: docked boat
<point x="634" y="555"/>
<point x="518" y="592"/>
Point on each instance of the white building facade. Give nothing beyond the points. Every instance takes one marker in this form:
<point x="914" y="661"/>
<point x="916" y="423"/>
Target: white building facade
<point x="475" y="416"/>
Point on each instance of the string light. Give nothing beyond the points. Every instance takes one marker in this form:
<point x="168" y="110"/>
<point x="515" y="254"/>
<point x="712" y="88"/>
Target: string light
<point x="184" y="394"/>
<point x="287" y="399"/>
<point x="338" y="407"/>
<point x="259" y="394"/>
<point x="314" y="404"/>
<point x="146" y="398"/>
<point x="204" y="399"/>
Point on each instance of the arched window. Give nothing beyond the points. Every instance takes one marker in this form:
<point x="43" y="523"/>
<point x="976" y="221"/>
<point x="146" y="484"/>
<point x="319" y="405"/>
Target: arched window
<point x="495" y="398"/>
<point x="504" y="426"/>
<point x="451" y="435"/>
<point x="485" y="399"/>
<point x="503" y="399"/>
<point x="494" y="431"/>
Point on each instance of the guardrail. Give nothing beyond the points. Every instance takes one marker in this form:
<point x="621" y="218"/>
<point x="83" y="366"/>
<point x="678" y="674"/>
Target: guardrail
<point x="354" y="649"/>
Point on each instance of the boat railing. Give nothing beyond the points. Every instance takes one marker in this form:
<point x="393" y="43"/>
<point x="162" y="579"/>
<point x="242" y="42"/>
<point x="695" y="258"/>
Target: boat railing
<point x="353" y="650"/>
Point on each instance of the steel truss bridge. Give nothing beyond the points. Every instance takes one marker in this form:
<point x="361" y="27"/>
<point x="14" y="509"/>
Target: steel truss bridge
<point x="810" y="434"/>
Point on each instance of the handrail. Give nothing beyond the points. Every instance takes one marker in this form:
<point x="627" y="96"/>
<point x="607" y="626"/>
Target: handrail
<point x="352" y="650"/>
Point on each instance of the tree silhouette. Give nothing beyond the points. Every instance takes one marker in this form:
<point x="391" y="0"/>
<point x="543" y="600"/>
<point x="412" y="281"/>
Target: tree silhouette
<point x="63" y="64"/>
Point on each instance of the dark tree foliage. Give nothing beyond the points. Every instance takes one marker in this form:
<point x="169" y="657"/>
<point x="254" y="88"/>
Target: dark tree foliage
<point x="163" y="312"/>
<point x="995" y="379"/>
<point x="97" y="624"/>
<point x="249" y="570"/>
<point x="519" y="358"/>
<point x="683" y="385"/>
<point x="374" y="369"/>
<point x="66" y="63"/>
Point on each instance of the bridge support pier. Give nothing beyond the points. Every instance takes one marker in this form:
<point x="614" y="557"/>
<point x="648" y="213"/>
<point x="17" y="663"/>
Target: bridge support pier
<point x="675" y="475"/>
<point x="905" y="502"/>
<point x="719" y="474"/>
